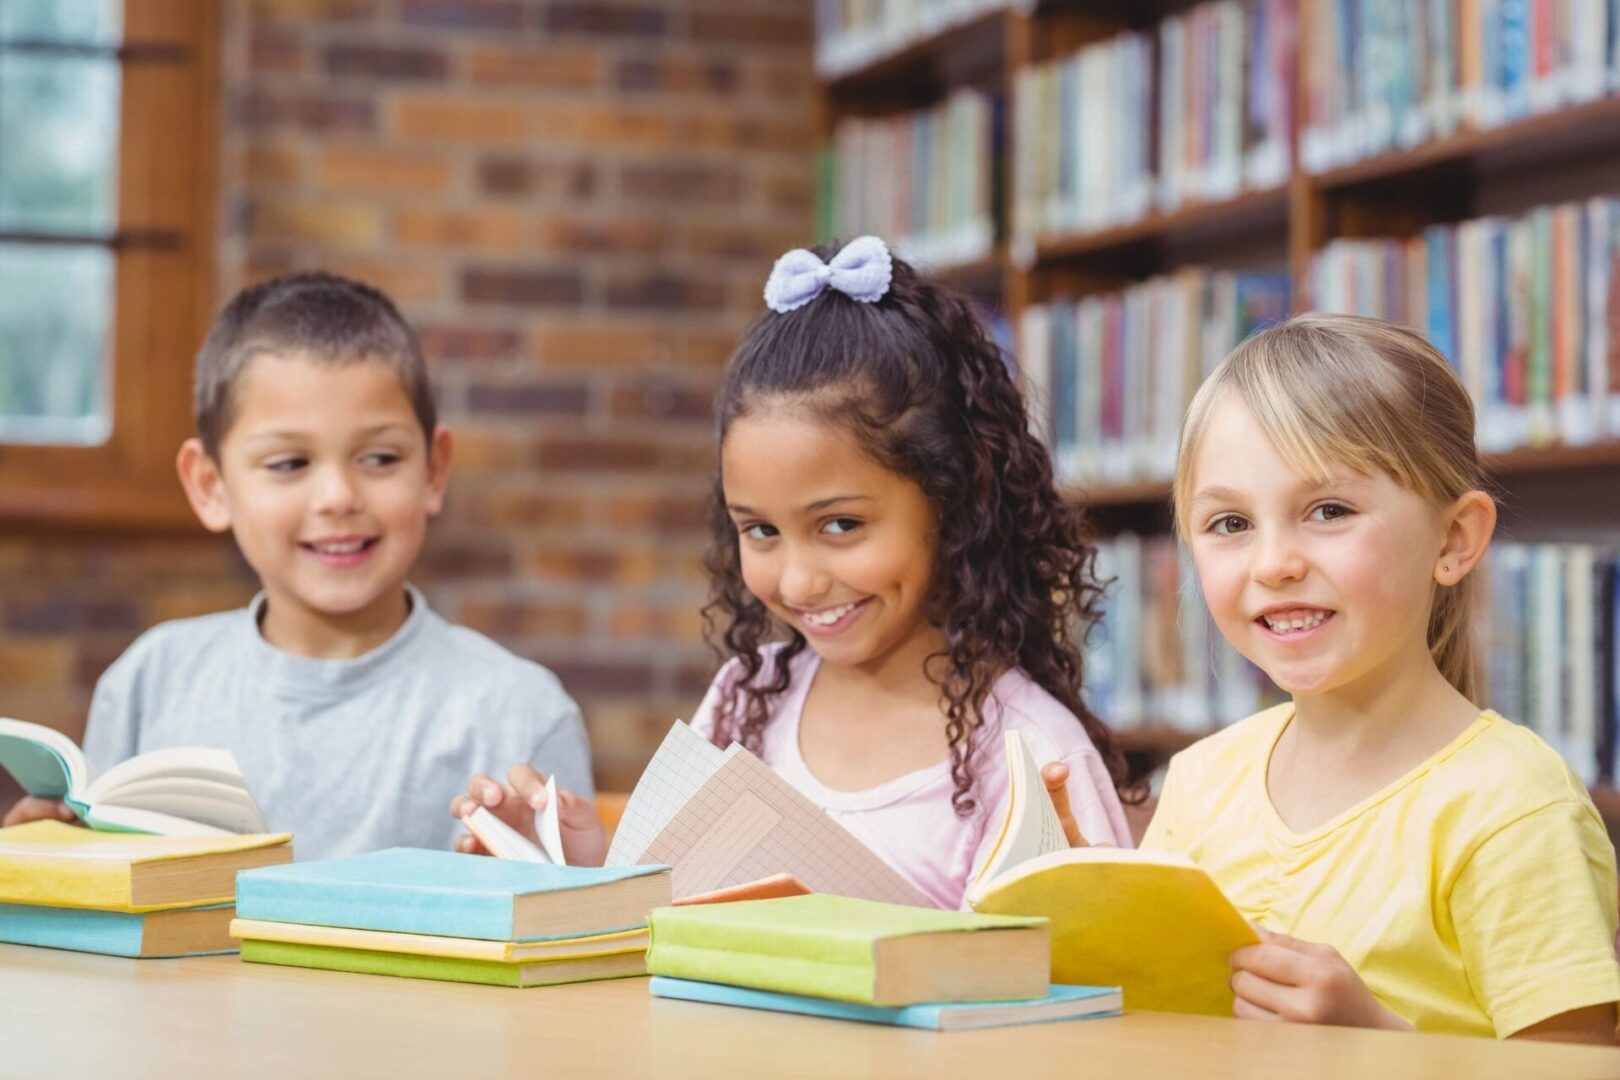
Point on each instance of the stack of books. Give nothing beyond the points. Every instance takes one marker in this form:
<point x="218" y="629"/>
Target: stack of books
<point x="849" y="959"/>
<point x="443" y="915"/>
<point x="123" y="894"/>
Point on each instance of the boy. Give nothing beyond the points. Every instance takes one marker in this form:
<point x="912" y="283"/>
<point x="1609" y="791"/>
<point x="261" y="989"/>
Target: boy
<point x="352" y="708"/>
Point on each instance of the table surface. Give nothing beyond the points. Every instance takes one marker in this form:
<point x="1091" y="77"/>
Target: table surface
<point x="73" y="1014"/>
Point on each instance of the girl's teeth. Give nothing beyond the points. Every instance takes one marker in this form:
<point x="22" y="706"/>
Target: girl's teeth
<point x="827" y="618"/>
<point x="1303" y="622"/>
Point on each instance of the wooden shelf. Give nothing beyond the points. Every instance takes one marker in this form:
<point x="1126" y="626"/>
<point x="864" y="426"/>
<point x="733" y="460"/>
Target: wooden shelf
<point x="973" y="273"/>
<point x="1159" y="739"/>
<point x="1578" y="131"/>
<point x="958" y="54"/>
<point x="1500" y="467"/>
<point x="1209" y="220"/>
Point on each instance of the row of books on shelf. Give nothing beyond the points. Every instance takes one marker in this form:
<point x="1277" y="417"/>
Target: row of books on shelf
<point x="1199" y="110"/>
<point x="1552" y="648"/>
<point x="1109" y="376"/>
<point x="853" y="33"/>
<point x="1549" y="635"/>
<point x="1526" y="308"/>
<point x="927" y="181"/>
<point x="1386" y="74"/>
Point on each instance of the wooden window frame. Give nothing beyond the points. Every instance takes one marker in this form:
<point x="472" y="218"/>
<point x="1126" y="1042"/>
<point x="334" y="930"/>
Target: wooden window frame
<point x="163" y="288"/>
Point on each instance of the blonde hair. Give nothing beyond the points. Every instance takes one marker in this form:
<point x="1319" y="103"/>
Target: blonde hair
<point x="1367" y="395"/>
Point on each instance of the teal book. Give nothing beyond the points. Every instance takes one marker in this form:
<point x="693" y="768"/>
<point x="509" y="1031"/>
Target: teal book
<point x="177" y="932"/>
<point x="1060" y="1003"/>
<point x="853" y="950"/>
<point x="415" y="891"/>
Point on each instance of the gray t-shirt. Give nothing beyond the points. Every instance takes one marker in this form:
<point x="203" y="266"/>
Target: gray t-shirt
<point x="348" y="755"/>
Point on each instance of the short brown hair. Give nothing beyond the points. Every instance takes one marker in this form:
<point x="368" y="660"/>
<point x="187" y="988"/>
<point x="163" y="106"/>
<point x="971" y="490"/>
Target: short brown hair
<point x="331" y="318"/>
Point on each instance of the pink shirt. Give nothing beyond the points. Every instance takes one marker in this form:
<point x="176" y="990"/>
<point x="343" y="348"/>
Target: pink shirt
<point x="909" y="820"/>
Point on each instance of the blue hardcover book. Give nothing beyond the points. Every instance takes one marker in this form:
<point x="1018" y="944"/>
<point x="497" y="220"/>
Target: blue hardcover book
<point x="177" y="932"/>
<point x="415" y="891"/>
<point x="1062" y="1003"/>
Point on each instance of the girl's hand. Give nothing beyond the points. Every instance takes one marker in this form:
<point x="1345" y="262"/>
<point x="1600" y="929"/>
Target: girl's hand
<point x="583" y="838"/>
<point x="1307" y="983"/>
<point x="1056" y="776"/>
<point x="29" y="809"/>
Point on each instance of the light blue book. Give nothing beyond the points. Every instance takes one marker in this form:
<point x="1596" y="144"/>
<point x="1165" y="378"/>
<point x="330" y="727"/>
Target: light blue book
<point x="415" y="891"/>
<point x="1062" y="1003"/>
<point x="178" y="932"/>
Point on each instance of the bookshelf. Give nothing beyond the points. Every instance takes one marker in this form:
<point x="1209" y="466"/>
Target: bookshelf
<point x="1566" y="148"/>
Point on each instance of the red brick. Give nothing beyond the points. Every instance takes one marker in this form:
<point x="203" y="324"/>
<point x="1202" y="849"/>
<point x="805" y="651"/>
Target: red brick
<point x="664" y="291"/>
<point x="530" y="398"/>
<point x="343" y="224"/>
<point x="618" y="236"/>
<point x="57" y="612"/>
<point x="461" y="559"/>
<point x="384" y="62"/>
<point x="684" y="622"/>
<point x="483" y="451"/>
<point x="661" y="398"/>
<point x="468" y="342"/>
<point x="275" y="51"/>
<point x="543" y="287"/>
<point x="682" y="182"/>
<point x="752" y="30"/>
<point x="587" y="676"/>
<point x="382" y="169"/>
<point x="508" y="619"/>
<point x="35" y="663"/>
<point x="597" y="453"/>
<point x="309" y="112"/>
<point x="463" y="14"/>
<point x="675" y="75"/>
<point x="549" y="69"/>
<point x="600" y="19"/>
<point x="660" y="513"/>
<point x="312" y="11"/>
<point x="525" y="509"/>
<point x="422" y="116"/>
<point x="600" y="345"/>
<point x="484" y="229"/>
<point x="269" y="162"/>
<point x="407" y="282"/>
<point x="595" y="566"/>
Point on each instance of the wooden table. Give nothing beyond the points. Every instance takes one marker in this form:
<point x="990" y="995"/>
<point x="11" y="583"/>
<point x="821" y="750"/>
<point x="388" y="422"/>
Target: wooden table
<point x="73" y="1015"/>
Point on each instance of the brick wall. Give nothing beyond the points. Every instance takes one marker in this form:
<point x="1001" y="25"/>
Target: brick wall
<point x="576" y="203"/>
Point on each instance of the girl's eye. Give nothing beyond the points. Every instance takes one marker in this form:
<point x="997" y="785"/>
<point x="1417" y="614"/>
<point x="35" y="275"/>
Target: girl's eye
<point x="1228" y="524"/>
<point x="286" y="464"/>
<point x="842" y="526"/>
<point x="759" y="531"/>
<point x="1330" y="512"/>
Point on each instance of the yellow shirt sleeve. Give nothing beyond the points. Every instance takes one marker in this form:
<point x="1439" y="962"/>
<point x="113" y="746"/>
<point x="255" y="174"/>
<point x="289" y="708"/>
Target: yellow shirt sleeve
<point x="1535" y="910"/>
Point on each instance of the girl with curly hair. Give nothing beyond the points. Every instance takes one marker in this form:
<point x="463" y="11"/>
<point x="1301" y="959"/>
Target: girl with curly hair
<point x="895" y="578"/>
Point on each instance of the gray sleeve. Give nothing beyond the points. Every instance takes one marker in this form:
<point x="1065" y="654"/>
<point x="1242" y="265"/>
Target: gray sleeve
<point x="112" y="732"/>
<point x="565" y="749"/>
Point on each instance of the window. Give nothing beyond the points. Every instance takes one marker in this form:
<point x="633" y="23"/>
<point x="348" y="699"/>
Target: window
<point x="107" y="159"/>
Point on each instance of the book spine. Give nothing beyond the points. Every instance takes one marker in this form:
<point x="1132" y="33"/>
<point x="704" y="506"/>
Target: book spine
<point x="108" y="932"/>
<point x="447" y="913"/>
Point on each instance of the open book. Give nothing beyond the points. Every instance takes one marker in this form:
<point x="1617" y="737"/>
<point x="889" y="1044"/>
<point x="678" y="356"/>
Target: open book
<point x="1154" y="923"/>
<point x="185" y="791"/>
<point x="723" y="818"/>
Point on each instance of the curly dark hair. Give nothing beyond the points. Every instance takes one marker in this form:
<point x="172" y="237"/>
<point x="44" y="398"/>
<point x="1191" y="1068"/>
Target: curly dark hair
<point x="917" y="379"/>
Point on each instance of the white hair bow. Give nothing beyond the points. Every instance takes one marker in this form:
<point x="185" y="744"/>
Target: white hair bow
<point x="861" y="271"/>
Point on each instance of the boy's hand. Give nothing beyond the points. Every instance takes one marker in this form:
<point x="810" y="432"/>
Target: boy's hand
<point x="29" y="809"/>
<point x="583" y="838"/>
<point x="1056" y="776"/>
<point x="1307" y="983"/>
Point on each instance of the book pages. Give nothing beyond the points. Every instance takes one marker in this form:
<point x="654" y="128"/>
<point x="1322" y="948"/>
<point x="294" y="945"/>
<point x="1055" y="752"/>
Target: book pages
<point x="683" y="762"/>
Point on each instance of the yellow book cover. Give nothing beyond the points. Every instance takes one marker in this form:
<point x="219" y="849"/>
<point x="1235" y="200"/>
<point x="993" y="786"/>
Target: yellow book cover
<point x="1152" y="923"/>
<point x="450" y="948"/>
<point x="53" y="863"/>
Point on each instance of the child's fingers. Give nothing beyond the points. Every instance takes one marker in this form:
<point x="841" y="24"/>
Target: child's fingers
<point x="486" y="791"/>
<point x="469" y="845"/>
<point x="528" y="784"/>
<point x="1248" y="1010"/>
<point x="1272" y="962"/>
<point x="1055" y="775"/>
<point x="461" y="806"/>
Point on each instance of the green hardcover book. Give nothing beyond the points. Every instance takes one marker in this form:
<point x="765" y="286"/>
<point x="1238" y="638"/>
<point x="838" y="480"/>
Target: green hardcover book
<point x="446" y="969"/>
<point x="853" y="950"/>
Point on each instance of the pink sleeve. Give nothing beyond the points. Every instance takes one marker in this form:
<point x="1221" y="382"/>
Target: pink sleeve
<point x="1095" y="803"/>
<point x="702" y="721"/>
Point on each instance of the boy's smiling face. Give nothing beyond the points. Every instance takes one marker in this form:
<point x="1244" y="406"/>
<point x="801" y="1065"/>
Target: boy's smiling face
<point x="326" y="481"/>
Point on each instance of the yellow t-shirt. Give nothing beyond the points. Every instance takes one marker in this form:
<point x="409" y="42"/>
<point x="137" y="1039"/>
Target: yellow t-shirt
<point x="1474" y="895"/>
